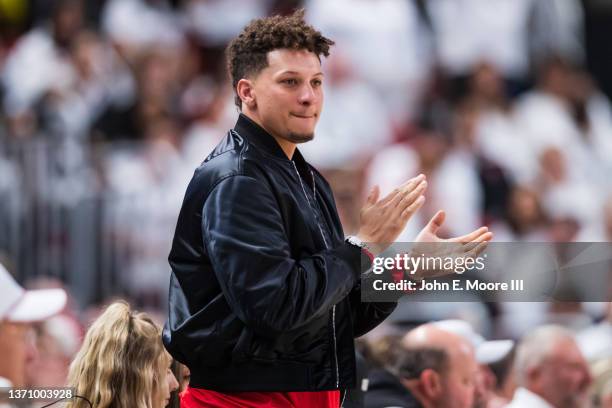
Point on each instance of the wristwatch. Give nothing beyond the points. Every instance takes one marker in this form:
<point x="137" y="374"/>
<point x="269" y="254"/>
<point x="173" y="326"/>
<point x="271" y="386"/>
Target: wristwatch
<point x="353" y="240"/>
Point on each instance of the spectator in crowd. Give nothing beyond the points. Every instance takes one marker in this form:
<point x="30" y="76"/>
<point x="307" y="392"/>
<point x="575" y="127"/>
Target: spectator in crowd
<point x="57" y="341"/>
<point x="384" y="387"/>
<point x="498" y="378"/>
<point x="488" y="353"/>
<point x="602" y="382"/>
<point x="122" y="363"/>
<point x="39" y="65"/>
<point x="136" y="26"/>
<point x="18" y="309"/>
<point x="600" y="231"/>
<point x="564" y="120"/>
<point x="494" y="134"/>
<point x="525" y="220"/>
<point x="182" y="374"/>
<point x="434" y="368"/>
<point x="550" y="370"/>
<point x="156" y="88"/>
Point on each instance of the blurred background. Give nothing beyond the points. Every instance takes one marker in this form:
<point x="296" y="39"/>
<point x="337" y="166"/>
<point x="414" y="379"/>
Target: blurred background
<point x="107" y="107"/>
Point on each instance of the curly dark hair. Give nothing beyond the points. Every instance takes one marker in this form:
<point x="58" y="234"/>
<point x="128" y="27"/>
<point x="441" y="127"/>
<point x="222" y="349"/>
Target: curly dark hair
<point x="247" y="54"/>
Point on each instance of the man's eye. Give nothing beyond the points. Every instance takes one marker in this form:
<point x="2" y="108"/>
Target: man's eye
<point x="290" y="81"/>
<point x="317" y="82"/>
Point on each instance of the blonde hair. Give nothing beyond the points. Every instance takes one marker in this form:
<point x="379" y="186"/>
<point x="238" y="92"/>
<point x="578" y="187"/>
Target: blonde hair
<point x="121" y="362"/>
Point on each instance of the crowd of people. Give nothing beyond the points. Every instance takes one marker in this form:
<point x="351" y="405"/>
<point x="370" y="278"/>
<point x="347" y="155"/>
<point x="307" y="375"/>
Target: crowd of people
<point x="119" y="361"/>
<point x="106" y="109"/>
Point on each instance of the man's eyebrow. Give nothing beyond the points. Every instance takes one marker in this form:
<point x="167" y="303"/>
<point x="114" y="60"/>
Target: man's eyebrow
<point x="297" y="73"/>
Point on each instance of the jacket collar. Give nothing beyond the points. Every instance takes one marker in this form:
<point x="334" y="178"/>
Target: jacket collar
<point x="257" y="135"/>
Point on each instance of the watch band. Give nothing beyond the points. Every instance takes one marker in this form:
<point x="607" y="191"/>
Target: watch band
<point x="353" y="240"/>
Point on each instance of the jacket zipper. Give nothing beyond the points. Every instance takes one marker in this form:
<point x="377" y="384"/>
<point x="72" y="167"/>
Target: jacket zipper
<point x="326" y="246"/>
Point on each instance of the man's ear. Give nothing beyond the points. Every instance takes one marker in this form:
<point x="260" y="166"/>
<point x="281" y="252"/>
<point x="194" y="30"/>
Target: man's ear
<point x="246" y="93"/>
<point x="534" y="375"/>
<point x="431" y="383"/>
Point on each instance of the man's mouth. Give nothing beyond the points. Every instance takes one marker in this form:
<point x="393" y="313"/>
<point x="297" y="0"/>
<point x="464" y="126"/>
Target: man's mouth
<point x="303" y="116"/>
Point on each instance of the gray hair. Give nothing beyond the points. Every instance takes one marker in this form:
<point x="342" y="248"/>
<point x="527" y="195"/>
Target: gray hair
<point x="536" y="347"/>
<point x="412" y="362"/>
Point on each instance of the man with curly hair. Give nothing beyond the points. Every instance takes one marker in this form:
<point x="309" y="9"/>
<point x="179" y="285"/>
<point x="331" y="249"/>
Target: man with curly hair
<point x="264" y="300"/>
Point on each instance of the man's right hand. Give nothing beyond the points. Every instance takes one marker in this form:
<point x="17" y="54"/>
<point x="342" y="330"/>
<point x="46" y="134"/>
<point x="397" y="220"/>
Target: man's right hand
<point x="383" y="220"/>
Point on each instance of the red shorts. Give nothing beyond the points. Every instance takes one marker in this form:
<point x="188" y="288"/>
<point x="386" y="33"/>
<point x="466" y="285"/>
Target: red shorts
<point x="200" y="398"/>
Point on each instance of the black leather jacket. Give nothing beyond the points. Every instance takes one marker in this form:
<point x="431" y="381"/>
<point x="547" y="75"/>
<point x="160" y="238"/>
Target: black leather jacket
<point x="264" y="292"/>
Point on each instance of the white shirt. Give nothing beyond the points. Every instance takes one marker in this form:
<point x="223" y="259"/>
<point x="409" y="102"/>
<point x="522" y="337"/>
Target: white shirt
<point x="5" y="383"/>
<point x="34" y="66"/>
<point x="469" y="31"/>
<point x="525" y="398"/>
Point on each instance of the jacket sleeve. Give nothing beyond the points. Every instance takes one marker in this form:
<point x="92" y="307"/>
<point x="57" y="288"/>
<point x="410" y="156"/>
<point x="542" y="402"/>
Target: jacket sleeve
<point x="246" y="241"/>
<point x="368" y="315"/>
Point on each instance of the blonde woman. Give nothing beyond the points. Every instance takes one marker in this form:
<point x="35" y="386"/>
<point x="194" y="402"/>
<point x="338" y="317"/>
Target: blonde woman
<point x="122" y="363"/>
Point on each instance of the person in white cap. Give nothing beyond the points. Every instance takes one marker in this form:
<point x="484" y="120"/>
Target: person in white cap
<point x="18" y="309"/>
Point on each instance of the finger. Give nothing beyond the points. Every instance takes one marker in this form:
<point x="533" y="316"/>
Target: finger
<point x="410" y="197"/>
<point x="478" y="249"/>
<point x="415" y="180"/>
<point x="402" y="192"/>
<point x="413" y="183"/>
<point x="471" y="236"/>
<point x="468" y="246"/>
<point x="485" y="236"/>
<point x="412" y="208"/>
<point x="436" y="222"/>
<point x="373" y="196"/>
<point x="389" y="197"/>
<point x="409" y="184"/>
<point x="481" y="245"/>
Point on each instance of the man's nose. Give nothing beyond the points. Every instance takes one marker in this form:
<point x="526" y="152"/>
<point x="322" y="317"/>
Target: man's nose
<point x="31" y="349"/>
<point x="307" y="95"/>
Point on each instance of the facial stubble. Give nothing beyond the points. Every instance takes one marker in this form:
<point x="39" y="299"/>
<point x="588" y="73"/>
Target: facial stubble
<point x="298" y="138"/>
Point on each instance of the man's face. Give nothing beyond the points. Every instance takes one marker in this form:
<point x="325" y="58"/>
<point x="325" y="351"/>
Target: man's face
<point x="288" y="95"/>
<point x="459" y="381"/>
<point x="564" y="378"/>
<point x="17" y="347"/>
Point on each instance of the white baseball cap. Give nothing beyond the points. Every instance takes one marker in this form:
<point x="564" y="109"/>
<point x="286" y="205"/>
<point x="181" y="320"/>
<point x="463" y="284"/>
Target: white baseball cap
<point x="487" y="351"/>
<point x="20" y="305"/>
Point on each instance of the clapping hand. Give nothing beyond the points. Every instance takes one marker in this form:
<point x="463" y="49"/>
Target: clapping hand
<point x="429" y="244"/>
<point x="383" y="220"/>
